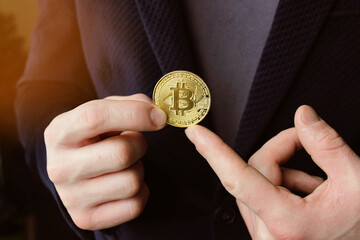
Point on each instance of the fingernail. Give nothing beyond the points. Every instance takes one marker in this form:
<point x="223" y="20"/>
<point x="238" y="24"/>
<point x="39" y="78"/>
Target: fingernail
<point x="309" y="116"/>
<point x="158" y="117"/>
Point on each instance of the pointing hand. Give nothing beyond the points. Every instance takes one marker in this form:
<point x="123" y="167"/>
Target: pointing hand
<point x="261" y="188"/>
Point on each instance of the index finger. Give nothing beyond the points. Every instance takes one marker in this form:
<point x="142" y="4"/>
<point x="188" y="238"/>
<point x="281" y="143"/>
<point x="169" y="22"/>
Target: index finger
<point x="100" y="116"/>
<point x="241" y="180"/>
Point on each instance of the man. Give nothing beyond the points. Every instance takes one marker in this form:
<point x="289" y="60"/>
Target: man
<point x="95" y="156"/>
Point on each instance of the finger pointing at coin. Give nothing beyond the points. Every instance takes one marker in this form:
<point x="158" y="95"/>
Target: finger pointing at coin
<point x="330" y="211"/>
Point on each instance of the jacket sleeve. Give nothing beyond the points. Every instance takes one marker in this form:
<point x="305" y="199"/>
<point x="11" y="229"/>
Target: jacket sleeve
<point x="55" y="80"/>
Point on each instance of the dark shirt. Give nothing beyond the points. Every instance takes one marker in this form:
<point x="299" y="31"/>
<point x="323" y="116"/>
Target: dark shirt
<point x="228" y="38"/>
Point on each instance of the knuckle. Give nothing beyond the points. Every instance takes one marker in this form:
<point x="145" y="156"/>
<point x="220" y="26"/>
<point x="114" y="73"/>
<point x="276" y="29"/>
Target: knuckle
<point x="69" y="199"/>
<point x="84" y="220"/>
<point x="56" y="174"/>
<point x="141" y="97"/>
<point x="330" y="140"/>
<point x="52" y="173"/>
<point x="236" y="187"/>
<point x="134" y="182"/>
<point x="60" y="171"/>
<point x="90" y="115"/>
<point x="135" y="208"/>
<point x="49" y="135"/>
<point x="230" y="186"/>
<point x="135" y="114"/>
<point x="51" y="132"/>
<point x="202" y="148"/>
<point x="122" y="154"/>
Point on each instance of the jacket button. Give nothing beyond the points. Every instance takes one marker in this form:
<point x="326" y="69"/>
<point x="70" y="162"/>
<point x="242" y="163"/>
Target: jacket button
<point x="225" y="215"/>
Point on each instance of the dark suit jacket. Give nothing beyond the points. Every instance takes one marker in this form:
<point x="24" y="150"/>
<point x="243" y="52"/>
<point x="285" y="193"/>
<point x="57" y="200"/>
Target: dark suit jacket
<point x="83" y="50"/>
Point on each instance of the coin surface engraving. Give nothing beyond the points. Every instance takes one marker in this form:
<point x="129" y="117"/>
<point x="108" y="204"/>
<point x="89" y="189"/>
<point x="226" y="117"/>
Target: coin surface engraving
<point x="184" y="97"/>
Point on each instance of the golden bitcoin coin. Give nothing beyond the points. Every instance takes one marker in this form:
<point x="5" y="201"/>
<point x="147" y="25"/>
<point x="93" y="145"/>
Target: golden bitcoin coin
<point x="184" y="97"/>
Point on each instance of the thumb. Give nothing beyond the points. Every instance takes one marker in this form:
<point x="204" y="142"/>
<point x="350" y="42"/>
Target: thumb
<point x="328" y="150"/>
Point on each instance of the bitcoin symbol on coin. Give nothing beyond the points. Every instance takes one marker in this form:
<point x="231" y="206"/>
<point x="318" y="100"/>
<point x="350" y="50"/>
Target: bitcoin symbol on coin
<point x="184" y="97"/>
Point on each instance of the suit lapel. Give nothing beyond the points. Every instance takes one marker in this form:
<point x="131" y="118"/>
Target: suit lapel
<point x="165" y="28"/>
<point x="164" y="25"/>
<point x="294" y="29"/>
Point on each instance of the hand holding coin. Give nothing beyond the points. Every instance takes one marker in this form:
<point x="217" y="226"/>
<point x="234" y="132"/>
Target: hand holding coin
<point x="94" y="159"/>
<point x="95" y="162"/>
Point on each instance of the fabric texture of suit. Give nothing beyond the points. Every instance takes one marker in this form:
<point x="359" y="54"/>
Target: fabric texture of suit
<point x="85" y="50"/>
